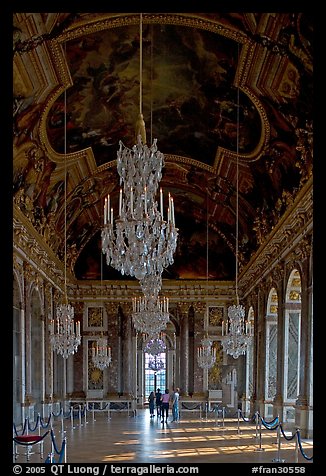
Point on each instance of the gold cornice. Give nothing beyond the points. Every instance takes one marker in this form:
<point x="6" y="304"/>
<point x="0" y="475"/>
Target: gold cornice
<point x="294" y="225"/>
<point x="26" y="239"/>
<point x="88" y="25"/>
<point x="117" y="291"/>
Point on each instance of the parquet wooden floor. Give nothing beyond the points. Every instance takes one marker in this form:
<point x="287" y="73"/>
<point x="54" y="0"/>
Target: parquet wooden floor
<point x="140" y="439"/>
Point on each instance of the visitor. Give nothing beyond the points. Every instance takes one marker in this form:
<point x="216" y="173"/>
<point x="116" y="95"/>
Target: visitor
<point x="158" y="397"/>
<point x="175" y="405"/>
<point x="165" y="405"/>
<point x="151" y="403"/>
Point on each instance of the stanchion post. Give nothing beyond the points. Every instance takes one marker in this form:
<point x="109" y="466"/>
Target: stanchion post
<point x="80" y="415"/>
<point x="65" y="439"/>
<point x="260" y="445"/>
<point x="216" y="416"/>
<point x="296" y="455"/>
<point x="62" y="425"/>
<point x="238" y="412"/>
<point x="256" y="421"/>
<point x="85" y="414"/>
<point x="223" y="416"/>
<point x="72" y="417"/>
<point x="278" y="459"/>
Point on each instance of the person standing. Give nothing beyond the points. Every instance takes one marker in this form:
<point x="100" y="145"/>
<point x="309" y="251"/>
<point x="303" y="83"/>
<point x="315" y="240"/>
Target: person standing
<point x="175" y="405"/>
<point x="158" y="397"/>
<point x="165" y="405"/>
<point x="151" y="403"/>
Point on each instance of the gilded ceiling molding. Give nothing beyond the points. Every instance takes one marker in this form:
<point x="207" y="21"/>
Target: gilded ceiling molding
<point x="293" y="227"/>
<point x="31" y="247"/>
<point x="86" y="26"/>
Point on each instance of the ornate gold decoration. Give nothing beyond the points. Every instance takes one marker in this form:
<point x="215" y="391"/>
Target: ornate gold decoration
<point x="215" y="316"/>
<point x="94" y="317"/>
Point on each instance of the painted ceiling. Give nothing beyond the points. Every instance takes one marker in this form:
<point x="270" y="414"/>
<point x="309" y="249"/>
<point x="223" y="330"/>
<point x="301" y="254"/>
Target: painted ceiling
<point x="220" y="93"/>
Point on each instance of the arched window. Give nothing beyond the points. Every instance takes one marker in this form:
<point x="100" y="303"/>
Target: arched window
<point x="271" y="349"/>
<point x="249" y="361"/>
<point x="292" y="341"/>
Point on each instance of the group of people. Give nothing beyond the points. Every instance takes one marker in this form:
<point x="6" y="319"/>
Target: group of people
<point x="162" y="403"/>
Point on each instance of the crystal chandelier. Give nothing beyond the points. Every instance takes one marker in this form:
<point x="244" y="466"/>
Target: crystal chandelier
<point x="64" y="337"/>
<point x="237" y="336"/>
<point x="206" y="354"/>
<point x="154" y="345"/>
<point x="155" y="363"/>
<point x="140" y="241"/>
<point x="101" y="354"/>
<point x="150" y="315"/>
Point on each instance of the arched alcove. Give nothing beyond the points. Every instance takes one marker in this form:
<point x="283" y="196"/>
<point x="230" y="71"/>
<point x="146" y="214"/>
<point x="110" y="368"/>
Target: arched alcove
<point x="271" y="349"/>
<point x="292" y="341"/>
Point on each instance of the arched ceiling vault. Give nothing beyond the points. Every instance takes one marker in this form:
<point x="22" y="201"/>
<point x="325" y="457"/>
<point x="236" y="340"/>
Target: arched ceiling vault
<point x="217" y="88"/>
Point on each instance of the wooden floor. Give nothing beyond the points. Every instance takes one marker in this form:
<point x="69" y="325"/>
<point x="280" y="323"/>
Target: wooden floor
<point x="124" y="438"/>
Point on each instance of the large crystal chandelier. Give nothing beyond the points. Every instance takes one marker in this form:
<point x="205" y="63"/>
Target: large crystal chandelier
<point x="101" y="354"/>
<point x="141" y="241"/>
<point x="206" y="354"/>
<point x="150" y="315"/>
<point x="237" y="335"/>
<point x="64" y="336"/>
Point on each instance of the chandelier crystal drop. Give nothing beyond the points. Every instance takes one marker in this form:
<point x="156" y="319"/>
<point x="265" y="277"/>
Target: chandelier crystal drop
<point x="150" y="315"/>
<point x="101" y="354"/>
<point x="206" y="354"/>
<point x="151" y="284"/>
<point x="238" y="333"/>
<point x="155" y="363"/>
<point x="64" y="336"/>
<point x="154" y="345"/>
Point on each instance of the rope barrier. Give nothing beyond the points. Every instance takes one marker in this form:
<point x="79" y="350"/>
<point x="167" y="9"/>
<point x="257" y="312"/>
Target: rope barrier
<point x="24" y="438"/>
<point x="62" y="452"/>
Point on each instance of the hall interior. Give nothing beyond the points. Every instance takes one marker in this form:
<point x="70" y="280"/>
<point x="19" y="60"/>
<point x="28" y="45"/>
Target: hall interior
<point x="163" y="228"/>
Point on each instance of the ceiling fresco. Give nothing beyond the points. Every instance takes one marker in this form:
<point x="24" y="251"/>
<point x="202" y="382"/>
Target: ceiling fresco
<point x="188" y="98"/>
<point x="217" y="89"/>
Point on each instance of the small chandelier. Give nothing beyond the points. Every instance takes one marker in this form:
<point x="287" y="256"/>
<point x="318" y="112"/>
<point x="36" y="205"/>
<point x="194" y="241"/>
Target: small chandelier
<point x="154" y="346"/>
<point x="206" y="354"/>
<point x="155" y="363"/>
<point x="101" y="354"/>
<point x="64" y="337"/>
<point x="237" y="335"/>
<point x="141" y="242"/>
<point x="150" y="315"/>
